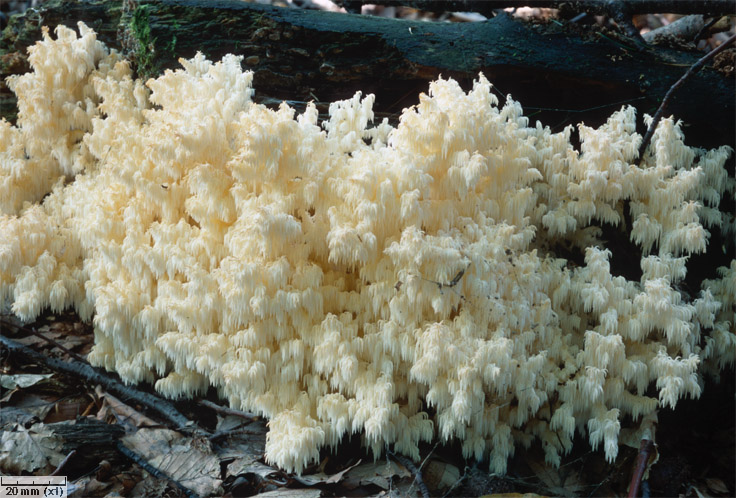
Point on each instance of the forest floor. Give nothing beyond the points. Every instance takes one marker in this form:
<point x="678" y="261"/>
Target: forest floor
<point x="64" y="423"/>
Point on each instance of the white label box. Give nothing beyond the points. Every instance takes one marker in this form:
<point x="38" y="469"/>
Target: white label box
<point x="33" y="486"/>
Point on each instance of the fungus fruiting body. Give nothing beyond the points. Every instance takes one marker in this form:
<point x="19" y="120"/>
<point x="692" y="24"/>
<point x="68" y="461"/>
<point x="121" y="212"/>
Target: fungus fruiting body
<point x="400" y="283"/>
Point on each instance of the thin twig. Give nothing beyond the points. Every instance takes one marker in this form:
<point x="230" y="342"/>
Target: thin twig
<point x="225" y="410"/>
<point x="233" y="432"/>
<point x="60" y="467"/>
<point x="665" y="101"/>
<point x="623" y="16"/>
<point x="414" y="470"/>
<point x="645" y="450"/>
<point x="442" y="285"/>
<point x="456" y="483"/>
<point x="587" y="109"/>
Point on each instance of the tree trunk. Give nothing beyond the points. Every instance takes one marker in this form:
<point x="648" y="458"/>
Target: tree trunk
<point x="561" y="73"/>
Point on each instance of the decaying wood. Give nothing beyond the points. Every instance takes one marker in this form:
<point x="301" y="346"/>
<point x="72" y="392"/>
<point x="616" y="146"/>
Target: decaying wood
<point x="93" y="440"/>
<point x="684" y="30"/>
<point x="600" y="7"/>
<point x="223" y="410"/>
<point x="556" y="70"/>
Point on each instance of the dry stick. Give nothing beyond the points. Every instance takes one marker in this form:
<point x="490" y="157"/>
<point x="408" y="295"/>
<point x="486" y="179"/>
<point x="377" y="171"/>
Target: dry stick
<point x="225" y="410"/>
<point x="673" y="88"/>
<point x="63" y="463"/>
<point x="84" y="370"/>
<point x="621" y="13"/>
<point x="705" y="28"/>
<point x="414" y="470"/>
<point x="456" y="483"/>
<point x="233" y="432"/>
<point x="645" y="449"/>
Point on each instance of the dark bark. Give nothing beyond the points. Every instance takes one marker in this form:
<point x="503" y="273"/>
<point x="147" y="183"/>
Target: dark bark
<point x="93" y="440"/>
<point x="600" y="7"/>
<point x="555" y="70"/>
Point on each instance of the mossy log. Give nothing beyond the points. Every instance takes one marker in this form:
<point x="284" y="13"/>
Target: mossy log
<point x="558" y="70"/>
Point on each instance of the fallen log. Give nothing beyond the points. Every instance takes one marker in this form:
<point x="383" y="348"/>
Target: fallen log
<point x="564" y="73"/>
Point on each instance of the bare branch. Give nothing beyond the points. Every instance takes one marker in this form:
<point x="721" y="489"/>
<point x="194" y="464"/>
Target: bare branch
<point x="665" y="101"/>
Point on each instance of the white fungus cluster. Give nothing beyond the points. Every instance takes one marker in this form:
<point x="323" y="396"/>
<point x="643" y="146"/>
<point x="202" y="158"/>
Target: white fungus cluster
<point x="397" y="283"/>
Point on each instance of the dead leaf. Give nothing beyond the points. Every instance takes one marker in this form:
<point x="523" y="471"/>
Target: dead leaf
<point x="27" y="450"/>
<point x="10" y="415"/>
<point x="87" y="486"/>
<point x="699" y="493"/>
<point x="440" y="475"/>
<point x="187" y="460"/>
<point x="717" y="486"/>
<point x="312" y="479"/>
<point x="548" y="476"/>
<point x="72" y="336"/>
<point x="335" y="478"/>
<point x="22" y="380"/>
<point x="129" y="415"/>
<point x="557" y="481"/>
<point x="6" y="397"/>
<point x="379" y="473"/>
<point x="240" y="467"/>
<point x="33" y="341"/>
<point x="291" y="493"/>
<point x="229" y="423"/>
<point x="33" y="404"/>
<point x="151" y="487"/>
<point x="322" y="478"/>
<point x="403" y="488"/>
<point x="573" y="482"/>
<point x="248" y="440"/>
<point x="514" y="495"/>
<point x="244" y="448"/>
